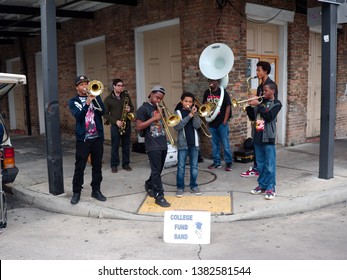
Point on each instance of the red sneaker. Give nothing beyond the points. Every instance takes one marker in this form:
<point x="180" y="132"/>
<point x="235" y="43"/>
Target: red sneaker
<point x="251" y="172"/>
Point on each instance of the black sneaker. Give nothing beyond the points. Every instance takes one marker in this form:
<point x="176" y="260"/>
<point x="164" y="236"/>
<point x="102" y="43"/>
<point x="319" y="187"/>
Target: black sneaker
<point x="161" y="201"/>
<point x="149" y="189"/>
<point x="75" y="198"/>
<point x="98" y="196"/>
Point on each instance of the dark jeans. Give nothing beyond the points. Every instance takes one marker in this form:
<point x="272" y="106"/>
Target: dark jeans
<point x="156" y="161"/>
<point x="94" y="147"/>
<point x="116" y="140"/>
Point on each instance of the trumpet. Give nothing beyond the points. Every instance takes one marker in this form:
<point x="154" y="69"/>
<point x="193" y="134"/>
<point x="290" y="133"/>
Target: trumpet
<point x="235" y="102"/>
<point x="170" y="120"/>
<point x="95" y="88"/>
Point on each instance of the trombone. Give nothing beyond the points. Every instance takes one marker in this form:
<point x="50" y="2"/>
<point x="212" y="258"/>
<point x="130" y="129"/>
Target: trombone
<point x="95" y="88"/>
<point x="206" y="109"/>
<point x="170" y="120"/>
<point x="203" y="126"/>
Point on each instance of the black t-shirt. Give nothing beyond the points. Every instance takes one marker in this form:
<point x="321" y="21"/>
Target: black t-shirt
<point x="155" y="136"/>
<point x="208" y="96"/>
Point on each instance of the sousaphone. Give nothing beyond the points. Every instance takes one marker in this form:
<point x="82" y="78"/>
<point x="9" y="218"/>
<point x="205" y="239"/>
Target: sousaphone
<point x="216" y="61"/>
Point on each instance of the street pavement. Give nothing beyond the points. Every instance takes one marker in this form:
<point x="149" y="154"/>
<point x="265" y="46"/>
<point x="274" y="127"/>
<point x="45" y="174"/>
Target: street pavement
<point x="298" y="187"/>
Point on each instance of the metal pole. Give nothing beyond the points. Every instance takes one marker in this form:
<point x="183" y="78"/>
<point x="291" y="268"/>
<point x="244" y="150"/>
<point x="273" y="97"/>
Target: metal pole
<point x="50" y="86"/>
<point x="328" y="98"/>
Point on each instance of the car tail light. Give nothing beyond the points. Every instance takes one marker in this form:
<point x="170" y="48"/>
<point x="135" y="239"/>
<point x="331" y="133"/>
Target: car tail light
<point x="8" y="157"/>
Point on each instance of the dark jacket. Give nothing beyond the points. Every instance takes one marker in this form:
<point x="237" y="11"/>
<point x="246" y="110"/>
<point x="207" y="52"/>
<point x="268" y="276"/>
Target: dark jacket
<point x="114" y="107"/>
<point x="267" y="111"/>
<point x="79" y="112"/>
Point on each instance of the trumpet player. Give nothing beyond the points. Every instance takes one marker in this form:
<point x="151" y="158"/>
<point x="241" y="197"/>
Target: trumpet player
<point x="149" y="124"/>
<point x="263" y="70"/>
<point x="89" y="138"/>
<point x="264" y="116"/>
<point x="219" y="127"/>
<point x="187" y="143"/>
<point x="117" y="105"/>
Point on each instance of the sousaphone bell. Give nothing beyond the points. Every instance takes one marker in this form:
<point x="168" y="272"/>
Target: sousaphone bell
<point x="215" y="62"/>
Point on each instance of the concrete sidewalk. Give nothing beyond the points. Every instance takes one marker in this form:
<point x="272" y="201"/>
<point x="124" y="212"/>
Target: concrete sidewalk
<point x="298" y="187"/>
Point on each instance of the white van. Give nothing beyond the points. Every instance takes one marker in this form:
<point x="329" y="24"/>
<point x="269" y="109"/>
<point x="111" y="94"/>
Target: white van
<point x="9" y="170"/>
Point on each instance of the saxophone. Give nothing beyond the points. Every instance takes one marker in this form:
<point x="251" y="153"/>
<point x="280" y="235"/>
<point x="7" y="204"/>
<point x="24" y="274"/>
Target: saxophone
<point x="125" y="115"/>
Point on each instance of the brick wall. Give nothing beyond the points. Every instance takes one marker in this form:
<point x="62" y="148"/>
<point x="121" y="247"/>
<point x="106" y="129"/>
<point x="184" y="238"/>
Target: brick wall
<point x="298" y="55"/>
<point x="341" y="84"/>
<point x="201" y="24"/>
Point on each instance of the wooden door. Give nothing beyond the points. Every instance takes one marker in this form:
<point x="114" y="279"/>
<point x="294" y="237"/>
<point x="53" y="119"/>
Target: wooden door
<point x="162" y="55"/>
<point x="94" y="56"/>
<point x="162" y="60"/>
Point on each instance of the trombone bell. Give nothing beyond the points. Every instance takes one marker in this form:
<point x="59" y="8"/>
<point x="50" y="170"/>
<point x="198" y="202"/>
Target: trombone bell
<point x="206" y="109"/>
<point x="173" y="120"/>
<point x="95" y="88"/>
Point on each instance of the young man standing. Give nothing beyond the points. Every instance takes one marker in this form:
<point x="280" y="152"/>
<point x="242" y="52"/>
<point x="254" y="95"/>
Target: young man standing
<point x="87" y="110"/>
<point x="188" y="143"/>
<point x="264" y="136"/>
<point x="263" y="70"/>
<point x="219" y="126"/>
<point x="150" y="123"/>
<point x="117" y="105"/>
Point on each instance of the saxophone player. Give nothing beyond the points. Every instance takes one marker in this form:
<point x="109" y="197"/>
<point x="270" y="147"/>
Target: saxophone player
<point x="117" y="105"/>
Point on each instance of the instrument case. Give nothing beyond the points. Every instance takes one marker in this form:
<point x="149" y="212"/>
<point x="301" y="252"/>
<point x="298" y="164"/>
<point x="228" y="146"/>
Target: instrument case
<point x="244" y="155"/>
<point x="171" y="157"/>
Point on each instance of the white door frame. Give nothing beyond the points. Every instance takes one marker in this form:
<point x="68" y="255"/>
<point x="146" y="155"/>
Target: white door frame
<point x="11" y="107"/>
<point x="40" y="95"/>
<point x="263" y="13"/>
<point x="79" y="52"/>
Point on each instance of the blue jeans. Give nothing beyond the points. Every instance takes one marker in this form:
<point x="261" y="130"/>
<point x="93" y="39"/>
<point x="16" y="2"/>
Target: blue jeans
<point x="221" y="134"/>
<point x="266" y="165"/>
<point x="193" y="153"/>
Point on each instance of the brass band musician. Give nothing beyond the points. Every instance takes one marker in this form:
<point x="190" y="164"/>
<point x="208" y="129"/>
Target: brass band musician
<point x="117" y="105"/>
<point x="219" y="127"/>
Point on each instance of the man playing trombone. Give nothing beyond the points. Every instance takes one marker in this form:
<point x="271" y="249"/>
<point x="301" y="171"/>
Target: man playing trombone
<point x="187" y="143"/>
<point x="87" y="110"/>
<point x="149" y="123"/>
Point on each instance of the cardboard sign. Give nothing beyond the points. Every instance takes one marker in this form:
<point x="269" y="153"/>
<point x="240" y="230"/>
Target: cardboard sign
<point x="187" y="227"/>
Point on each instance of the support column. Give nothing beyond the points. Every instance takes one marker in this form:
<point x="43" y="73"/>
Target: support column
<point x="328" y="98"/>
<point x="51" y="98"/>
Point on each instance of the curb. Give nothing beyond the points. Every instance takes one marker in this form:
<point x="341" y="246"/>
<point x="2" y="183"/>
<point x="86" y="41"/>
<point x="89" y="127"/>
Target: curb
<point x="60" y="204"/>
